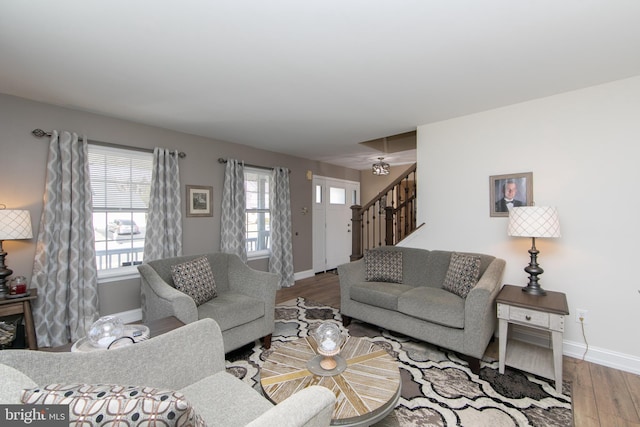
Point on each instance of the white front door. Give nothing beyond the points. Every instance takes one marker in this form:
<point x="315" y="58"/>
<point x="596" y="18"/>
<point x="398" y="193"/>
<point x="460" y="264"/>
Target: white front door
<point x="333" y="199"/>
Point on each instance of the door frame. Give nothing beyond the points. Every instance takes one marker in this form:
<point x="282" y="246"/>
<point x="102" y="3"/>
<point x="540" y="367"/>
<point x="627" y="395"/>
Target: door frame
<point x="319" y="216"/>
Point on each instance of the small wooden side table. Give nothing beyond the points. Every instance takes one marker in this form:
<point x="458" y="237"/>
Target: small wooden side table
<point x="543" y="312"/>
<point x="22" y="305"/>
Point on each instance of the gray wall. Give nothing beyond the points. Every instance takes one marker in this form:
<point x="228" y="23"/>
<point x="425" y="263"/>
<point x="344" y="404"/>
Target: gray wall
<point x="22" y="174"/>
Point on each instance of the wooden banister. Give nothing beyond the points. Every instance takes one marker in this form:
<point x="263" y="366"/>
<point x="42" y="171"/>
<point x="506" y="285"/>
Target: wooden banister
<point x="389" y="217"/>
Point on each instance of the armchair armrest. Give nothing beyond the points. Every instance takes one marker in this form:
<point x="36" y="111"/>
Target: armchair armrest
<point x="244" y="279"/>
<point x="309" y="407"/>
<point x="159" y="299"/>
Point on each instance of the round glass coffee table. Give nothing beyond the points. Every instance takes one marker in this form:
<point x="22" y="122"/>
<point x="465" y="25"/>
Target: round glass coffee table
<point x="367" y="390"/>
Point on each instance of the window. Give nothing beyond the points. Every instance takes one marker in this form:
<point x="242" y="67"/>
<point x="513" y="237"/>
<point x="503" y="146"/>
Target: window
<point x="258" y="229"/>
<point x="337" y="196"/>
<point x="120" y="184"/>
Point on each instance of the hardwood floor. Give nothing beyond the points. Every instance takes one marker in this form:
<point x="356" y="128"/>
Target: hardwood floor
<point x="602" y="396"/>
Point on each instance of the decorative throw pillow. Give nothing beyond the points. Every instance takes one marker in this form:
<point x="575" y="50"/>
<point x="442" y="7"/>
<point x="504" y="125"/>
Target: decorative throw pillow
<point x="117" y="405"/>
<point x="195" y="279"/>
<point x="383" y="266"/>
<point x="463" y="274"/>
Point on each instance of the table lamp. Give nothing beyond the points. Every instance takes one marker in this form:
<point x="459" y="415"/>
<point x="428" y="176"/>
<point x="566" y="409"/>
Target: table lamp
<point x="14" y="225"/>
<point x="534" y="221"/>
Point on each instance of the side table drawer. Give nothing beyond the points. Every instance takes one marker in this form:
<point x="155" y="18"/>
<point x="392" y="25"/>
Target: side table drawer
<point x="524" y="316"/>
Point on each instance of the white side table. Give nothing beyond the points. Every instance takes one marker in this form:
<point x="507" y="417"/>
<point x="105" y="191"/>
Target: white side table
<point x="543" y="312"/>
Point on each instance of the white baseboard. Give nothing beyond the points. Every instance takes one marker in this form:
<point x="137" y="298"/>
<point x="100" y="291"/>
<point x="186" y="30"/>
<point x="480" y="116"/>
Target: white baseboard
<point x="303" y="275"/>
<point x="600" y="356"/>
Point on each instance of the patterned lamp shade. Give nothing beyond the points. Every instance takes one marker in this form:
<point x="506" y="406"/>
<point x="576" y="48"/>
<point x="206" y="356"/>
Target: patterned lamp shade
<point x="15" y="224"/>
<point x="534" y="221"/>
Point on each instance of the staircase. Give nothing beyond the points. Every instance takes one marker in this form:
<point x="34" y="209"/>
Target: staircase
<point x="387" y="218"/>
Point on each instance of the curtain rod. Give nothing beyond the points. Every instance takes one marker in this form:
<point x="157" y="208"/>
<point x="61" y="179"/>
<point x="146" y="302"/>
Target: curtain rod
<point x="221" y="160"/>
<point x="39" y="133"/>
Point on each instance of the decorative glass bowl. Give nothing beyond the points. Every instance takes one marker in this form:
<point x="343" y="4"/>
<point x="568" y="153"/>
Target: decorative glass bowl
<point x="105" y="330"/>
<point x="329" y="339"/>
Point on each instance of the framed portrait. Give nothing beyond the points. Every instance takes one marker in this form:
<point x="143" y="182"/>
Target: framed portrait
<point x="510" y="190"/>
<point x="199" y="200"/>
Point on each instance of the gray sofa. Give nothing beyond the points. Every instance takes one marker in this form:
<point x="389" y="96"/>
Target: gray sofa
<point x="419" y="306"/>
<point x="189" y="360"/>
<point x="244" y="308"/>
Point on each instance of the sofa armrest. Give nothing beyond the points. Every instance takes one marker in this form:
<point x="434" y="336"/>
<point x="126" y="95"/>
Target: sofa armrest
<point x="350" y="274"/>
<point x="159" y="299"/>
<point x="172" y="360"/>
<point x="480" y="309"/>
<point x="309" y="407"/>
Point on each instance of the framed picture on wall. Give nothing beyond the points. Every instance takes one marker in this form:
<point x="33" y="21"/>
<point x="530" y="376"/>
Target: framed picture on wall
<point x="199" y="200"/>
<point x="510" y="190"/>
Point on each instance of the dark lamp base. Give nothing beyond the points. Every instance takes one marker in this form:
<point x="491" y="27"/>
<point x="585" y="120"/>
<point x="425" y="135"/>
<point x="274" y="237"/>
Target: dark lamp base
<point x="534" y="290"/>
<point x="534" y="270"/>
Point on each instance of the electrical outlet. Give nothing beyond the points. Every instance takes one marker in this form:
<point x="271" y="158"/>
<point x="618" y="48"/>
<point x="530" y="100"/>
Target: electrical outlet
<point x="581" y="314"/>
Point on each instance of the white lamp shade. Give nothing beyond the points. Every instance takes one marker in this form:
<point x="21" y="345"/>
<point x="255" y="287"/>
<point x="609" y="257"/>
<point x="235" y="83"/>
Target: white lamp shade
<point x="15" y="224"/>
<point x="534" y="221"/>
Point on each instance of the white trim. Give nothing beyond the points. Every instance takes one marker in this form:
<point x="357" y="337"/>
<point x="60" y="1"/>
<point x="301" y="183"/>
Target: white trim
<point x="129" y="316"/>
<point x="600" y="356"/>
<point x="118" y="274"/>
<point x="303" y="275"/>
<point x="337" y="179"/>
<point x="263" y="254"/>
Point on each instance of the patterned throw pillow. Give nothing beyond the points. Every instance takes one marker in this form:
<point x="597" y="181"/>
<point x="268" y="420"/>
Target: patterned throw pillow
<point x="195" y="279"/>
<point x="463" y="274"/>
<point x="383" y="266"/>
<point x="100" y="404"/>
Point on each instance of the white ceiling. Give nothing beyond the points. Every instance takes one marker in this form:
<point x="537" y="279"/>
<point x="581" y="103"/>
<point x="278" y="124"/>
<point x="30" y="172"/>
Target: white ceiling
<point x="309" y="78"/>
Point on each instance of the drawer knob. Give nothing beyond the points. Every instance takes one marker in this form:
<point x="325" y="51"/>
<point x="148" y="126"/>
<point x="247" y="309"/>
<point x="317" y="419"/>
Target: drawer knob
<point x="527" y="317"/>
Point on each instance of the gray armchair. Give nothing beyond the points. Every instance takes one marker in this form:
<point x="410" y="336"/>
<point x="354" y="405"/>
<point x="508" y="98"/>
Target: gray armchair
<point x="189" y="360"/>
<point x="244" y="308"/>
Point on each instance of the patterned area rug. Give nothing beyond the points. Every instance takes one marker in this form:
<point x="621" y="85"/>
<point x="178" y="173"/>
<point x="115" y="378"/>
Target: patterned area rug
<point x="438" y="388"/>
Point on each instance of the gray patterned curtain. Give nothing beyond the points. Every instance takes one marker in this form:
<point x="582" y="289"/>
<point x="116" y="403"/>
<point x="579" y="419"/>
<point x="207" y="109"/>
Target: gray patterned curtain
<point x="232" y="217"/>
<point x="163" y="238"/>
<point x="281" y="258"/>
<point x="64" y="268"/>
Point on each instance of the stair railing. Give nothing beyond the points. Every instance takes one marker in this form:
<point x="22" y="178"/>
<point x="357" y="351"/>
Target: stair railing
<point x="388" y="218"/>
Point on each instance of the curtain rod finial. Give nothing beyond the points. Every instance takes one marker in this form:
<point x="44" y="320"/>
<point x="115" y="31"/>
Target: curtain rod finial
<point x="39" y="133"/>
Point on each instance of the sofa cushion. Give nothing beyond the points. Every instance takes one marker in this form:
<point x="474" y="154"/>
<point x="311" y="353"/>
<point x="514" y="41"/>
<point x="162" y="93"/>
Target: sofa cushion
<point x="379" y="294"/>
<point x="434" y="305"/>
<point x="463" y="274"/>
<point x="232" y="309"/>
<point x="195" y="279"/>
<point x="383" y="266"/>
<point x="12" y="382"/>
<point x="217" y="397"/>
<point x="104" y="404"/>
